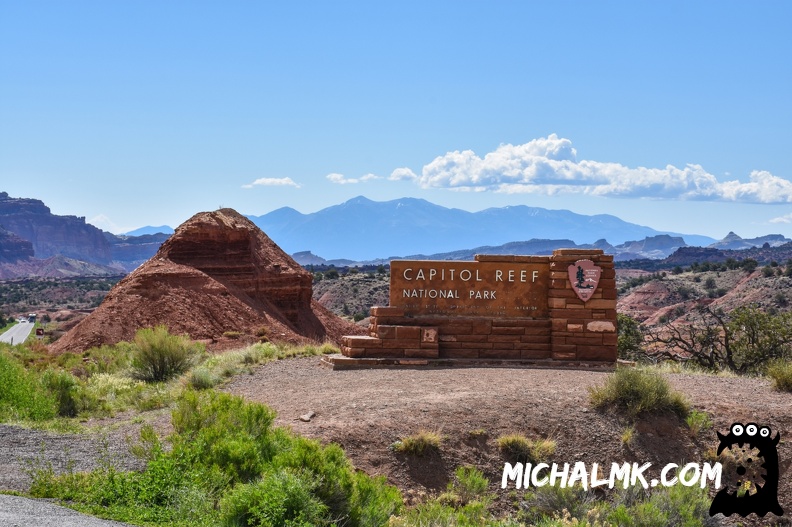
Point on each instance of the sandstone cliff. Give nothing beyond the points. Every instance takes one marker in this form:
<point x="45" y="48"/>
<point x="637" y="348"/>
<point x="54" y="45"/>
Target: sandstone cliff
<point x="13" y="248"/>
<point x="53" y="235"/>
<point x="217" y="273"/>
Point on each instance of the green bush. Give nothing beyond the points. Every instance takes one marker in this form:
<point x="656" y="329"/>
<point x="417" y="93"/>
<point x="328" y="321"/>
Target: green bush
<point x="780" y="371"/>
<point x="637" y="391"/>
<point x="65" y="389"/>
<point x="229" y="466"/>
<point x="282" y="498"/>
<point x="158" y="355"/>
<point x="21" y="394"/>
<point x="698" y="421"/>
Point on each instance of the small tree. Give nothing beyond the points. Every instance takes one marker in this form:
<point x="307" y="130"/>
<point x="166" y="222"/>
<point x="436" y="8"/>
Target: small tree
<point x="630" y="337"/>
<point x="749" y="265"/>
<point x="742" y="342"/>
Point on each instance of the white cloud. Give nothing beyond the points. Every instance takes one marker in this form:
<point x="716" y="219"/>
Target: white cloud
<point x="341" y="179"/>
<point x="786" y="218"/>
<point x="402" y="174"/>
<point x="549" y="165"/>
<point x="106" y="224"/>
<point x="272" y="182"/>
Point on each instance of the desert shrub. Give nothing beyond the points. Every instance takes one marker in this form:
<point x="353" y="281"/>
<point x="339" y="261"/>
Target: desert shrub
<point x="418" y="444"/>
<point x="263" y="333"/>
<point x="373" y="501"/>
<point x="676" y="506"/>
<point x="469" y="484"/>
<point x="21" y="394"/>
<point x="520" y="448"/>
<point x="780" y="372"/>
<point x="104" y="359"/>
<point x="698" y="421"/>
<point x="225" y="431"/>
<point x="280" y="498"/>
<point x="158" y="355"/>
<point x="202" y="379"/>
<point x="65" y="389"/>
<point x="628" y="435"/>
<point x="232" y="334"/>
<point x="637" y="391"/>
<point x="545" y="502"/>
<point x="106" y="392"/>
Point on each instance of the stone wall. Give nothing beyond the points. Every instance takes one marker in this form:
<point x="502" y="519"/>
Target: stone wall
<point x="569" y="329"/>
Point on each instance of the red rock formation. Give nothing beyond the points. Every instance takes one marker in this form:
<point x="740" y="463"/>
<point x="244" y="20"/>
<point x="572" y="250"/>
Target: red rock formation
<point x="218" y="272"/>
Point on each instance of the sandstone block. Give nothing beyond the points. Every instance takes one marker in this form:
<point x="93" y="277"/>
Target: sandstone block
<point x="605" y="353"/>
<point x="386" y="332"/>
<point x="556" y="303"/>
<point x="459" y="354"/>
<point x="361" y="341"/>
<point x="601" y="326"/>
<point x="500" y="354"/>
<point x="507" y="330"/>
<point x="387" y="311"/>
<point x="429" y="336"/>
<point x="534" y="354"/>
<point x="408" y="333"/>
<point x="423" y="353"/>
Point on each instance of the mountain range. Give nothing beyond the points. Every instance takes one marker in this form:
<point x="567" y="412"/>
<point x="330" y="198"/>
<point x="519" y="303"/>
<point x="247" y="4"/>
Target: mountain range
<point x="361" y="229"/>
<point x="33" y="241"/>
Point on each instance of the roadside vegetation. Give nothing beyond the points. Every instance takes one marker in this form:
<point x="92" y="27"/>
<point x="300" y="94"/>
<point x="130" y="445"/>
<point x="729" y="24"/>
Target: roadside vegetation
<point x="226" y="464"/>
<point x="149" y="373"/>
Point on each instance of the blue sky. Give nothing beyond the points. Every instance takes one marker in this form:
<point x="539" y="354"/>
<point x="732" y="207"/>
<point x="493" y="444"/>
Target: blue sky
<point x="674" y="115"/>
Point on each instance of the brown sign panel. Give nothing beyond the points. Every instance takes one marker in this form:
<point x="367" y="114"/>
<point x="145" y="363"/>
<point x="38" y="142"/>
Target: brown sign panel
<point x="487" y="289"/>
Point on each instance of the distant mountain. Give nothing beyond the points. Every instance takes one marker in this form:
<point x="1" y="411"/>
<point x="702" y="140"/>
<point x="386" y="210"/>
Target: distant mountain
<point x="736" y="243"/>
<point x="148" y="229"/>
<point x="361" y="229"/>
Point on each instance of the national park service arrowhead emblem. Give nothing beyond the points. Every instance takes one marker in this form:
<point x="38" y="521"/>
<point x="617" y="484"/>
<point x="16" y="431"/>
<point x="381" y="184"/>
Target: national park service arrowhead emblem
<point x="585" y="277"/>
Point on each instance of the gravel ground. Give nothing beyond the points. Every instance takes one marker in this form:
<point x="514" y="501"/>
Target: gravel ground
<point x="23" y="512"/>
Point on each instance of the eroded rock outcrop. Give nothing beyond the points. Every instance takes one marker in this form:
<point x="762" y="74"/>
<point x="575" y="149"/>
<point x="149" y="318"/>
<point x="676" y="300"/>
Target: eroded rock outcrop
<point x="217" y="273"/>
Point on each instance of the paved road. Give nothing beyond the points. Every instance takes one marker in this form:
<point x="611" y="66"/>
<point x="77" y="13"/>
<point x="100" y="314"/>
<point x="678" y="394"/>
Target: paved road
<point x="23" y="512"/>
<point x="18" y="333"/>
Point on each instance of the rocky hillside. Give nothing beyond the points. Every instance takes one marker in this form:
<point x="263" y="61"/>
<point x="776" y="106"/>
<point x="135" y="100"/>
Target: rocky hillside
<point x="218" y="277"/>
<point x="655" y="298"/>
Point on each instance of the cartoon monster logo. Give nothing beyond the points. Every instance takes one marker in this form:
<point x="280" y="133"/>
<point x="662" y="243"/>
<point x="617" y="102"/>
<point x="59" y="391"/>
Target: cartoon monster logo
<point x="752" y="478"/>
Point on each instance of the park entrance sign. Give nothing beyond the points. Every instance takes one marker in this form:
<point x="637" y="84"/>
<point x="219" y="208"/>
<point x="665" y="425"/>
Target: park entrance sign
<point x="543" y="310"/>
